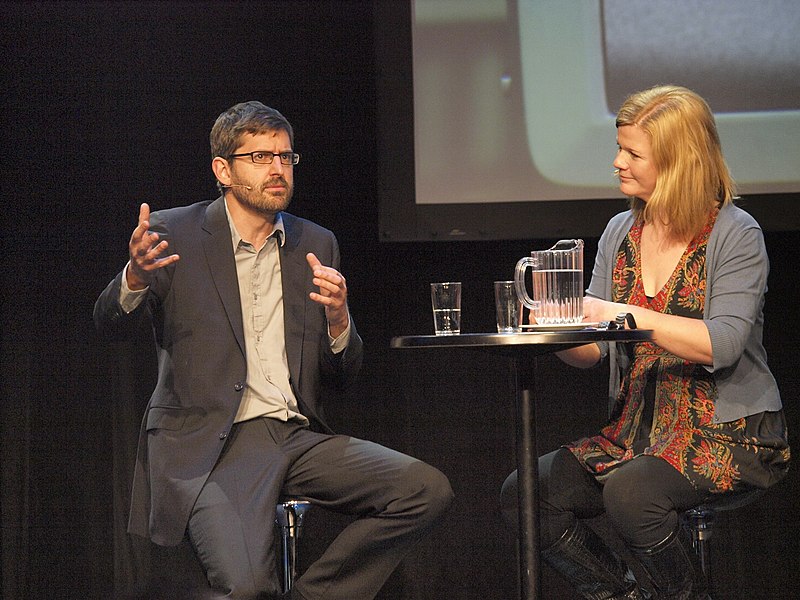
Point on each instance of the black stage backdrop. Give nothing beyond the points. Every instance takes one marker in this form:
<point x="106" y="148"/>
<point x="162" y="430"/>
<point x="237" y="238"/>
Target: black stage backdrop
<point x="107" y="105"/>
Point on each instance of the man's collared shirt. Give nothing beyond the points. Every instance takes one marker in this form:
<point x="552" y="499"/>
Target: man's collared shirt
<point x="268" y="391"/>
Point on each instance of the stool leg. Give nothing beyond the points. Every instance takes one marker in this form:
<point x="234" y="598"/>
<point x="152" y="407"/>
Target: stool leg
<point x="701" y="521"/>
<point x="289" y="519"/>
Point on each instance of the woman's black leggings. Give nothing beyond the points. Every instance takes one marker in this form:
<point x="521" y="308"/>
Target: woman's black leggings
<point x="642" y="498"/>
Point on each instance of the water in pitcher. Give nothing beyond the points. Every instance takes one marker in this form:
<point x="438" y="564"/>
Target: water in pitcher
<point x="559" y="294"/>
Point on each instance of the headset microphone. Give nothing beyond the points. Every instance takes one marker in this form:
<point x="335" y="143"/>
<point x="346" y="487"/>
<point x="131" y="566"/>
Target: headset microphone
<point x="247" y="187"/>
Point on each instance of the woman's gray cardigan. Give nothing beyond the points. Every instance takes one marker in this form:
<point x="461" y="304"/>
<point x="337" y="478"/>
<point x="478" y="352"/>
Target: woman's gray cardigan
<point x="736" y="280"/>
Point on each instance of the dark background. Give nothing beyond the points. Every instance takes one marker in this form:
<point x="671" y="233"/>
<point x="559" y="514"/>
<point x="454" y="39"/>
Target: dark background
<point x="107" y="105"/>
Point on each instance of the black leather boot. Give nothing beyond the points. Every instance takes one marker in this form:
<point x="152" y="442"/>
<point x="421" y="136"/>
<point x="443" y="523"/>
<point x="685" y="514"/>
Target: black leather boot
<point x="592" y="568"/>
<point x="674" y="568"/>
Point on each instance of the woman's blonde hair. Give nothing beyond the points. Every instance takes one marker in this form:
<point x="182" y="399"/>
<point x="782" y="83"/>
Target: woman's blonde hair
<point x="692" y="176"/>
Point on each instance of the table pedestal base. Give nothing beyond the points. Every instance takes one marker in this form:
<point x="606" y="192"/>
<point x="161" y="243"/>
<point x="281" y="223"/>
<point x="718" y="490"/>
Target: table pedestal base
<point x="527" y="480"/>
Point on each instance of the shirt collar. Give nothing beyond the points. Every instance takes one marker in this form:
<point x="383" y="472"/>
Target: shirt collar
<point x="278" y="230"/>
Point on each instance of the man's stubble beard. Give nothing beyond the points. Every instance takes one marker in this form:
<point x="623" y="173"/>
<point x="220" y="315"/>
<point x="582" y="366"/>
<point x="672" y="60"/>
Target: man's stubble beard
<point x="266" y="204"/>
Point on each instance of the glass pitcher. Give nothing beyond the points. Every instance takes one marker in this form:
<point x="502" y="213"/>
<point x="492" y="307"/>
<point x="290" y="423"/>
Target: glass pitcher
<point x="556" y="281"/>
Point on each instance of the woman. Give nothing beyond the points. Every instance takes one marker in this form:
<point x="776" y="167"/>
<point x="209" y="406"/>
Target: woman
<point x="697" y="412"/>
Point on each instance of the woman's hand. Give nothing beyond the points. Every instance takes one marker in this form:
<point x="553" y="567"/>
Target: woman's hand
<point x="684" y="337"/>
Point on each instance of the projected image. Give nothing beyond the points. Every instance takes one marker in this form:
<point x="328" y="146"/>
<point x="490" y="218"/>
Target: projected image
<point x="515" y="101"/>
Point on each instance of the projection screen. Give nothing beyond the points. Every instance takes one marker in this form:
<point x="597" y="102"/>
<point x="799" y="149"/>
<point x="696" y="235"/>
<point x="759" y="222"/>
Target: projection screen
<point x="511" y="123"/>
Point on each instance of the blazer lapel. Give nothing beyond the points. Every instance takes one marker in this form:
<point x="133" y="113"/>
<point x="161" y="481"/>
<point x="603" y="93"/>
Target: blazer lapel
<point x="218" y="248"/>
<point x="296" y="281"/>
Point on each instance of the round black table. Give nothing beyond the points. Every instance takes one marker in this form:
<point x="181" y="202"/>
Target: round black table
<point x="523" y="348"/>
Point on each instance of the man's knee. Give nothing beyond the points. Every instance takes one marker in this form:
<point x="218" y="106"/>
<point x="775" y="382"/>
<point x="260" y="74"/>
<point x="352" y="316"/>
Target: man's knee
<point x="429" y="489"/>
<point x="508" y="499"/>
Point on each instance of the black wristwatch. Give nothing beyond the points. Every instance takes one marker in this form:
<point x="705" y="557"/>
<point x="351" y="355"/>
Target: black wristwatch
<point x="623" y="318"/>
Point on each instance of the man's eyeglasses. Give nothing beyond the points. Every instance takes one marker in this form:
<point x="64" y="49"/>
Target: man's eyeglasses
<point x="262" y="157"/>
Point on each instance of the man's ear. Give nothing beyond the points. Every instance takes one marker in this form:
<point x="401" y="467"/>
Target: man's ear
<point x="222" y="170"/>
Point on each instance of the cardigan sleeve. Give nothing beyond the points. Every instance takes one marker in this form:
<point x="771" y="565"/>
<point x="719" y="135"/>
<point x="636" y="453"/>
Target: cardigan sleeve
<point x="600" y="287"/>
<point x="737" y="280"/>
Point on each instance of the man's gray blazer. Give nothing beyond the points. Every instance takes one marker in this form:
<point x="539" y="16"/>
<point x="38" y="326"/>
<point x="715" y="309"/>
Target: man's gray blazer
<point x="195" y="310"/>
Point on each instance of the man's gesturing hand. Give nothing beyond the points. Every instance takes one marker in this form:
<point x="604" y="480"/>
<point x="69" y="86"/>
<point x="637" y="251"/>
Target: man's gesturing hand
<point x="332" y="294"/>
<point x="146" y="251"/>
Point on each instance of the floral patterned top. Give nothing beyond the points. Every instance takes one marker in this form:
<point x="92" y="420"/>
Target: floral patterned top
<point x="665" y="405"/>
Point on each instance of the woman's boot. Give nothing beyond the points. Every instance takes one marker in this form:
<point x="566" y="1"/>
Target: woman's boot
<point x="674" y="568"/>
<point x="592" y="568"/>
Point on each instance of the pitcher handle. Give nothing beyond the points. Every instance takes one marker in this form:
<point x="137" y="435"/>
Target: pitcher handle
<point x="519" y="283"/>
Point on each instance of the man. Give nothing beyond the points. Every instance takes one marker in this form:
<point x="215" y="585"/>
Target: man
<point x="250" y="319"/>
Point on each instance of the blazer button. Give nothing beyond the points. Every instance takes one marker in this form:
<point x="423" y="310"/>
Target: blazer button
<point x="223" y="435"/>
<point x="238" y="386"/>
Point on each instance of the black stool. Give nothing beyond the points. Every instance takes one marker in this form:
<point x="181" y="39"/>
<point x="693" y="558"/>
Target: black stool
<point x="700" y="521"/>
<point x="289" y="515"/>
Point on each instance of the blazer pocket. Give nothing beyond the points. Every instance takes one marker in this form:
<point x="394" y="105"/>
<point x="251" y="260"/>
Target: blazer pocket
<point x="166" y="417"/>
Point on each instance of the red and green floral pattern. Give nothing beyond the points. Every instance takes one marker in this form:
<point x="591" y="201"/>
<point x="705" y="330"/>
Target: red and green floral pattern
<point x="666" y="404"/>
